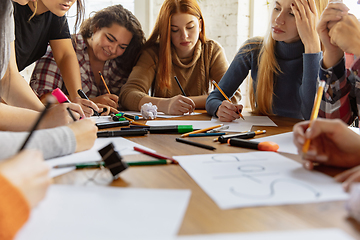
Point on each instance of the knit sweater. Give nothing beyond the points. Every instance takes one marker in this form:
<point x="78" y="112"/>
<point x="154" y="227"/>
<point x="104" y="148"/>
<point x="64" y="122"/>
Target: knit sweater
<point x="294" y="87"/>
<point x="194" y="74"/>
<point x="14" y="209"/>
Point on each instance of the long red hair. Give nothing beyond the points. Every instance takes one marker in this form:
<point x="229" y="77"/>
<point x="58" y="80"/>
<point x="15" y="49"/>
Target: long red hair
<point x="161" y="34"/>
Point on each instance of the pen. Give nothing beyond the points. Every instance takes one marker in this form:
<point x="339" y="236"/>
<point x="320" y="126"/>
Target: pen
<point x="71" y="114"/>
<point x="221" y="91"/>
<point x="117" y="118"/>
<point x="202" y="130"/>
<point x="206" y="134"/>
<point x="135" y="123"/>
<point x="83" y="96"/>
<point x="122" y="133"/>
<point x="262" y="146"/>
<point x="219" y="129"/>
<point x="178" y="83"/>
<point x="103" y="80"/>
<point x="315" y="112"/>
<point x="131" y="116"/>
<point x="42" y="114"/>
<point x="101" y="163"/>
<point x="195" y="143"/>
<point x="246" y="135"/>
<point x="157" y="155"/>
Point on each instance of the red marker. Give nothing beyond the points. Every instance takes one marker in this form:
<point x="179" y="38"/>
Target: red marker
<point x="262" y="146"/>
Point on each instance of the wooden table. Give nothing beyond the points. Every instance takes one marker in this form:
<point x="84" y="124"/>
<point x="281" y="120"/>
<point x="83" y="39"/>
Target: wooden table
<point x="203" y="216"/>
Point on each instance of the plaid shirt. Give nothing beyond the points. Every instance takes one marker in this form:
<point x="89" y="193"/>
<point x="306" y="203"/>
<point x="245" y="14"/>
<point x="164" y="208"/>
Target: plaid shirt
<point x="341" y="97"/>
<point x="46" y="75"/>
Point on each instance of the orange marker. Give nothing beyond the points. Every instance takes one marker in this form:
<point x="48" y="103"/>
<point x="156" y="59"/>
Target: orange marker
<point x="262" y="146"/>
<point x="315" y="112"/>
<point x="221" y="91"/>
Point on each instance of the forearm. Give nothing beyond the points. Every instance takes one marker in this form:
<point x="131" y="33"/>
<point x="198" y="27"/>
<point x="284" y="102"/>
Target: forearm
<point x="199" y="101"/>
<point x="16" y="119"/>
<point x="161" y="103"/>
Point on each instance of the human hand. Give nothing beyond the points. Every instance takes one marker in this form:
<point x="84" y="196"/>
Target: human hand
<point x="58" y="115"/>
<point x="346" y="34"/>
<point x="177" y="105"/>
<point x="332" y="143"/>
<point x="109" y="101"/>
<point x="85" y="133"/>
<point x="332" y="14"/>
<point x="228" y="112"/>
<point x="87" y="106"/>
<point x="348" y="177"/>
<point x="28" y="172"/>
<point x="306" y="17"/>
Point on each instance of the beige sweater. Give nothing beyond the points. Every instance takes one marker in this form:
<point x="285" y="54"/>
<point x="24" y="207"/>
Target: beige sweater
<point x="195" y="74"/>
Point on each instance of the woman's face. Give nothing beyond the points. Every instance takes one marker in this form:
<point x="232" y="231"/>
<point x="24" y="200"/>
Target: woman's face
<point x="185" y="30"/>
<point x="57" y="7"/>
<point x="283" y="26"/>
<point x="109" y="43"/>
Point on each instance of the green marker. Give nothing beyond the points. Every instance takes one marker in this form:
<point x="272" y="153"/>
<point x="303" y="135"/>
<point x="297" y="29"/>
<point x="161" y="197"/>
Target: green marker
<point x="171" y="129"/>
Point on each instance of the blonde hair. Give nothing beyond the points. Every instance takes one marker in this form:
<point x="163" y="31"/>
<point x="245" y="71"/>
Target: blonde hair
<point x="161" y="34"/>
<point x="267" y="71"/>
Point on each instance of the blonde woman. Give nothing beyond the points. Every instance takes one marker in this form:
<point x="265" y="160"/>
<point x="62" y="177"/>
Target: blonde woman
<point x="284" y="65"/>
<point x="177" y="47"/>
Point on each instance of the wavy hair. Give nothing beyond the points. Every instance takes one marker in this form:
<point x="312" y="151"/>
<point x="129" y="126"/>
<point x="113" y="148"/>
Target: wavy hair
<point x="268" y="70"/>
<point x="117" y="14"/>
<point x="161" y="34"/>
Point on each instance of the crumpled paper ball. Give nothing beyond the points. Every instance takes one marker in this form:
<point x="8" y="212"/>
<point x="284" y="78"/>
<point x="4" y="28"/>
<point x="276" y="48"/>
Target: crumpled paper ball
<point x="149" y="111"/>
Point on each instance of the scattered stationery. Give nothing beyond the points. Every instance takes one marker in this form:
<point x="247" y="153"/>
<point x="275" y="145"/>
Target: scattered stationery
<point x="122" y="133"/>
<point x="92" y="213"/>
<point x="101" y="164"/>
<point x="207" y="134"/>
<point x="218" y="129"/>
<point x="245" y="135"/>
<point x="122" y="145"/>
<point x="315" y="112"/>
<point x="167" y="129"/>
<point x="262" y="146"/>
<point x="154" y="154"/>
<point x="127" y="115"/>
<point x="236" y="180"/>
<point x="195" y="144"/>
<point x="103" y="125"/>
<point x="328" y="234"/>
<point x="201" y="130"/>
<point x="284" y="140"/>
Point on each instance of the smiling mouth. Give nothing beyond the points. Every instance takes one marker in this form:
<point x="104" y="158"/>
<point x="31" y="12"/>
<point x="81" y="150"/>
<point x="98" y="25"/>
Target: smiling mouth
<point x="107" y="53"/>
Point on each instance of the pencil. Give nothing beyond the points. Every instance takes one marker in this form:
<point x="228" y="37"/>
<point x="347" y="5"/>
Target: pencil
<point x="157" y="155"/>
<point x="315" y="112"/>
<point x="103" y="80"/>
<point x="201" y="130"/>
<point x="182" y="90"/>
<point x="135" y="123"/>
<point x="221" y="91"/>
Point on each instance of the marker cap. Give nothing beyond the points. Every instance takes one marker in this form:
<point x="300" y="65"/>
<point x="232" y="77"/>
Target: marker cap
<point x="185" y="128"/>
<point x="60" y="96"/>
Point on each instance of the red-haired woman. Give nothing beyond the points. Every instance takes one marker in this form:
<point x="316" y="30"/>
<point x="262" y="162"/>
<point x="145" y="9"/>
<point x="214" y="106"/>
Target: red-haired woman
<point x="177" y="47"/>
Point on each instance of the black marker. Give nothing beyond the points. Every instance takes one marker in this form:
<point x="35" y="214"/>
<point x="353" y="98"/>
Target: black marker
<point x="122" y="133"/>
<point x="247" y="135"/>
<point x="195" y="144"/>
<point x="83" y="96"/>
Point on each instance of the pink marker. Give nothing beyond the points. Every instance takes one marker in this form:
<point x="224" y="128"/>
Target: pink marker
<point x="60" y="96"/>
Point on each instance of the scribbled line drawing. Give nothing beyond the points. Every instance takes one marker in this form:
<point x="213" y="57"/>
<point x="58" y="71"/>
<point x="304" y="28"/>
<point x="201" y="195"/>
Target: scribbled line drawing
<point x="224" y="158"/>
<point x="272" y="193"/>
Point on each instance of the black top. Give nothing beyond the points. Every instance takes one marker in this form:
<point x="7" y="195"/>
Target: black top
<point x="32" y="37"/>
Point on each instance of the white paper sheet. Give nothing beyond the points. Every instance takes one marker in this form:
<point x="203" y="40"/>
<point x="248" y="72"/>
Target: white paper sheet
<point x="93" y="213"/>
<point x="163" y="115"/>
<point x="284" y="140"/>
<point x="122" y="145"/>
<point x="314" y="234"/>
<point x="196" y="124"/>
<point x="240" y="125"/>
<point x="238" y="180"/>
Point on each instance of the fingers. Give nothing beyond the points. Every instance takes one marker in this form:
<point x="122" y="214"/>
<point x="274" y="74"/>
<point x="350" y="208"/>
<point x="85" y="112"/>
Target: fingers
<point x="87" y="106"/>
<point x="355" y="177"/>
<point x="180" y="105"/>
<point x="228" y="112"/>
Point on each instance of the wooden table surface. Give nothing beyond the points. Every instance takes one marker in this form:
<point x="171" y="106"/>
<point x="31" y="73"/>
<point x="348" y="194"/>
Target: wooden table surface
<point x="203" y="216"/>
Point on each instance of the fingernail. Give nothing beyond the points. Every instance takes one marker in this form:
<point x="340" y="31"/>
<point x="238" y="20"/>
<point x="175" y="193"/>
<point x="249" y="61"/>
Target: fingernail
<point x="311" y="153"/>
<point x="322" y="158"/>
<point x="308" y="165"/>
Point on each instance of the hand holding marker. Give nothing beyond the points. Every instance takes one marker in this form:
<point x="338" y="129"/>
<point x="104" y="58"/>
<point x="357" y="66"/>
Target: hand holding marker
<point x="83" y="96"/>
<point x="61" y="98"/>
